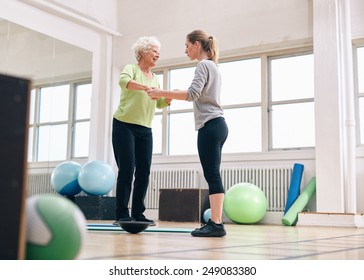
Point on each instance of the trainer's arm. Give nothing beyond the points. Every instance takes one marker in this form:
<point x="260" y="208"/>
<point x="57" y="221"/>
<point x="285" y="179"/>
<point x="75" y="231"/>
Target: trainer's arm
<point x="155" y="93"/>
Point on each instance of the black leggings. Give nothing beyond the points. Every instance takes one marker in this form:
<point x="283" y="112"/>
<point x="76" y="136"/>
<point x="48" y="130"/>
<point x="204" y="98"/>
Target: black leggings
<point x="133" y="148"/>
<point x="210" y="140"/>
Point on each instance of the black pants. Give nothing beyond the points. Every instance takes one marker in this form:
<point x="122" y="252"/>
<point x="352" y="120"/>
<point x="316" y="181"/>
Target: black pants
<point x="210" y="140"/>
<point x="133" y="148"/>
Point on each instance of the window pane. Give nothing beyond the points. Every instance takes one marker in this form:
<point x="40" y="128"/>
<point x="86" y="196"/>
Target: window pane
<point x="241" y="81"/>
<point x="361" y="119"/>
<point x="293" y="125"/>
<point x="244" y="130"/>
<point x="160" y="78"/>
<point x="361" y="69"/>
<point x="54" y="102"/>
<point x="182" y="135"/>
<point x="30" y="144"/>
<point x="292" y="78"/>
<point x="157" y="134"/>
<point x="82" y="136"/>
<point x="181" y="79"/>
<point x="83" y="101"/>
<point x="32" y="107"/>
<point x="52" y="142"/>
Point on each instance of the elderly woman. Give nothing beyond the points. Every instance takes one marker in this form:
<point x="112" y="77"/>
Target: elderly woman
<point x="132" y="134"/>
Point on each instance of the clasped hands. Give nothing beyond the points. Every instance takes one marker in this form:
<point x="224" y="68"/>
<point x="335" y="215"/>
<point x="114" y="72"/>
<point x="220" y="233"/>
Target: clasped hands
<point x="154" y="93"/>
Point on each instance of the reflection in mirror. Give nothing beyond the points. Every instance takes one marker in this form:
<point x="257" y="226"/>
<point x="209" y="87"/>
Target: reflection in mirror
<point x="59" y="120"/>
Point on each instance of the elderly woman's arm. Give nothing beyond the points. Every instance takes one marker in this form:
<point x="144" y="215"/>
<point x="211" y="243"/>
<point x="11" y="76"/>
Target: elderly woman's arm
<point x="134" y="85"/>
<point x="168" y="94"/>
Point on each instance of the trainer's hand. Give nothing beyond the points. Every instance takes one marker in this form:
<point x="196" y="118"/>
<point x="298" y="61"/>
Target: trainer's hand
<point x="154" y="93"/>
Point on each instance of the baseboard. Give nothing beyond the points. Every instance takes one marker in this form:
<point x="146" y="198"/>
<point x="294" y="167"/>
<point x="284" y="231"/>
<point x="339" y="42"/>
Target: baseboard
<point x="331" y="219"/>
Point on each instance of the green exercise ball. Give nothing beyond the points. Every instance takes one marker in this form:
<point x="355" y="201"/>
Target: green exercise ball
<point x="245" y="203"/>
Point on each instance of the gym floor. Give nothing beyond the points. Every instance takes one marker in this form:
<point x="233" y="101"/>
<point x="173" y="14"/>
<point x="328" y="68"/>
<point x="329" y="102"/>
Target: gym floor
<point x="242" y="242"/>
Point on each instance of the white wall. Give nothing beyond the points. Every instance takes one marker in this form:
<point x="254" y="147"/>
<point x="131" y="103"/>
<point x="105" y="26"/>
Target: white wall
<point x="357" y="17"/>
<point x="237" y="24"/>
<point x="103" y="12"/>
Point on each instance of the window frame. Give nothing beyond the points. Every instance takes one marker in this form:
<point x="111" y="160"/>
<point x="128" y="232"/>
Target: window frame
<point x="70" y="122"/>
<point x="271" y="103"/>
<point x="358" y="95"/>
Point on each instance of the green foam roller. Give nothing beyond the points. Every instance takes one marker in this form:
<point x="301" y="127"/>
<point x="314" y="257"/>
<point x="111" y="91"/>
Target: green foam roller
<point x="290" y="218"/>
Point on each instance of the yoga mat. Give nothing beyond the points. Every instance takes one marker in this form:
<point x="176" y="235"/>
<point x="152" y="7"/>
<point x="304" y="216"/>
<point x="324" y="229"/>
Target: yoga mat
<point x="294" y="186"/>
<point x="290" y="218"/>
<point x="108" y="227"/>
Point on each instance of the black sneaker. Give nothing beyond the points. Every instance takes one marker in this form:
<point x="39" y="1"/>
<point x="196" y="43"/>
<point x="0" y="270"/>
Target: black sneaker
<point x="124" y="219"/>
<point x="210" y="229"/>
<point x="142" y="218"/>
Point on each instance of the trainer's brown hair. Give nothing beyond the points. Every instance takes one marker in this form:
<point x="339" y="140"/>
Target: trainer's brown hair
<point x="209" y="43"/>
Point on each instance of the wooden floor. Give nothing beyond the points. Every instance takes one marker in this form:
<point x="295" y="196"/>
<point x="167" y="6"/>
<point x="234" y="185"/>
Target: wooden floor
<point x="242" y="242"/>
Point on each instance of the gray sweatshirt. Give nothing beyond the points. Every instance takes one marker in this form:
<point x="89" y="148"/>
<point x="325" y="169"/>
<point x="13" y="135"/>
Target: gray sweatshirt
<point x="205" y="92"/>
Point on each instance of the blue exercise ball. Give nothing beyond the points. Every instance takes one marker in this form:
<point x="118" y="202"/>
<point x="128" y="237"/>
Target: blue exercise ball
<point x="207" y="215"/>
<point x="64" y="178"/>
<point x="96" y="178"/>
<point x="245" y="203"/>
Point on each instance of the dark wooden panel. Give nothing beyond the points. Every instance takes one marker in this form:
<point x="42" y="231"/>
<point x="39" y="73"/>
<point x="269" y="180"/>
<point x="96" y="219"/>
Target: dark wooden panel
<point x="97" y="207"/>
<point x="14" y="110"/>
<point x="183" y="205"/>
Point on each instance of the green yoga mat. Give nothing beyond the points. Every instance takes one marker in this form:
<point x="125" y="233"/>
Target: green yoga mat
<point x="290" y="218"/>
<point x="107" y="227"/>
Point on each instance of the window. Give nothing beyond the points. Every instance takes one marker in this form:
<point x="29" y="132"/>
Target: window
<point x="292" y="122"/>
<point x="82" y="114"/>
<point x="181" y="125"/>
<point x="57" y="132"/>
<point x="360" y="85"/>
<point x="241" y="99"/>
<point x="268" y="103"/>
<point x="157" y="124"/>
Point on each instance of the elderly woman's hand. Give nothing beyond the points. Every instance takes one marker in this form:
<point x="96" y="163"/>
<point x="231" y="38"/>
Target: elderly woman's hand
<point x="154" y="93"/>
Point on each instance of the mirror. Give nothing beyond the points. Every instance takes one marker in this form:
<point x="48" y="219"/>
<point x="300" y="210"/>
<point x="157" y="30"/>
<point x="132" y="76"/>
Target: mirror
<point x="61" y="101"/>
<point x="43" y="59"/>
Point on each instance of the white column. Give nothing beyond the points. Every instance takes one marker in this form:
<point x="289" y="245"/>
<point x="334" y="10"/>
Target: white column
<point x="334" y="107"/>
<point x="102" y="91"/>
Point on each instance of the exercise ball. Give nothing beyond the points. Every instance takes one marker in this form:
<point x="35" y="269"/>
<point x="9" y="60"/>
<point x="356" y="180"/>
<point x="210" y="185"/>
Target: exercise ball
<point x="55" y="229"/>
<point x="245" y="203"/>
<point x="96" y="178"/>
<point x="207" y="215"/>
<point x="64" y="178"/>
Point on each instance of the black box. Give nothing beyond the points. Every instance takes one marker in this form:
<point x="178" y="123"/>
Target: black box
<point x="14" y="115"/>
<point x="96" y="207"/>
<point x="183" y="205"/>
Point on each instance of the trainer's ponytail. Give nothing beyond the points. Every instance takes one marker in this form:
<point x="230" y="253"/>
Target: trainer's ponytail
<point x="208" y="43"/>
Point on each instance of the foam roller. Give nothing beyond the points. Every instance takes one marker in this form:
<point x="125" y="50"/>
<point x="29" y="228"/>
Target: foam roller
<point x="290" y="218"/>
<point x="295" y="186"/>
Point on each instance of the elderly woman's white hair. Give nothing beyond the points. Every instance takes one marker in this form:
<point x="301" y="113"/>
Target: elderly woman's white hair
<point x="144" y="44"/>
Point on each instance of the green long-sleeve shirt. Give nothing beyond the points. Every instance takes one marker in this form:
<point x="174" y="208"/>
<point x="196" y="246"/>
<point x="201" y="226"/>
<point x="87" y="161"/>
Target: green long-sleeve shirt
<point x="136" y="106"/>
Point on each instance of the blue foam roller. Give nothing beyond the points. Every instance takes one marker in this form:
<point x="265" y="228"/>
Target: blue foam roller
<point x="295" y="185"/>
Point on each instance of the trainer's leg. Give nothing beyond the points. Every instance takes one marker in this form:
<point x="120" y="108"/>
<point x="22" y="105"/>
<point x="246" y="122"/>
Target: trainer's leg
<point x="211" y="139"/>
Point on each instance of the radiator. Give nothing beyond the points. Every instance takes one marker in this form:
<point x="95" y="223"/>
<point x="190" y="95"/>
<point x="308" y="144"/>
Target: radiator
<point x="273" y="181"/>
<point x="40" y="183"/>
<point x="169" y="179"/>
